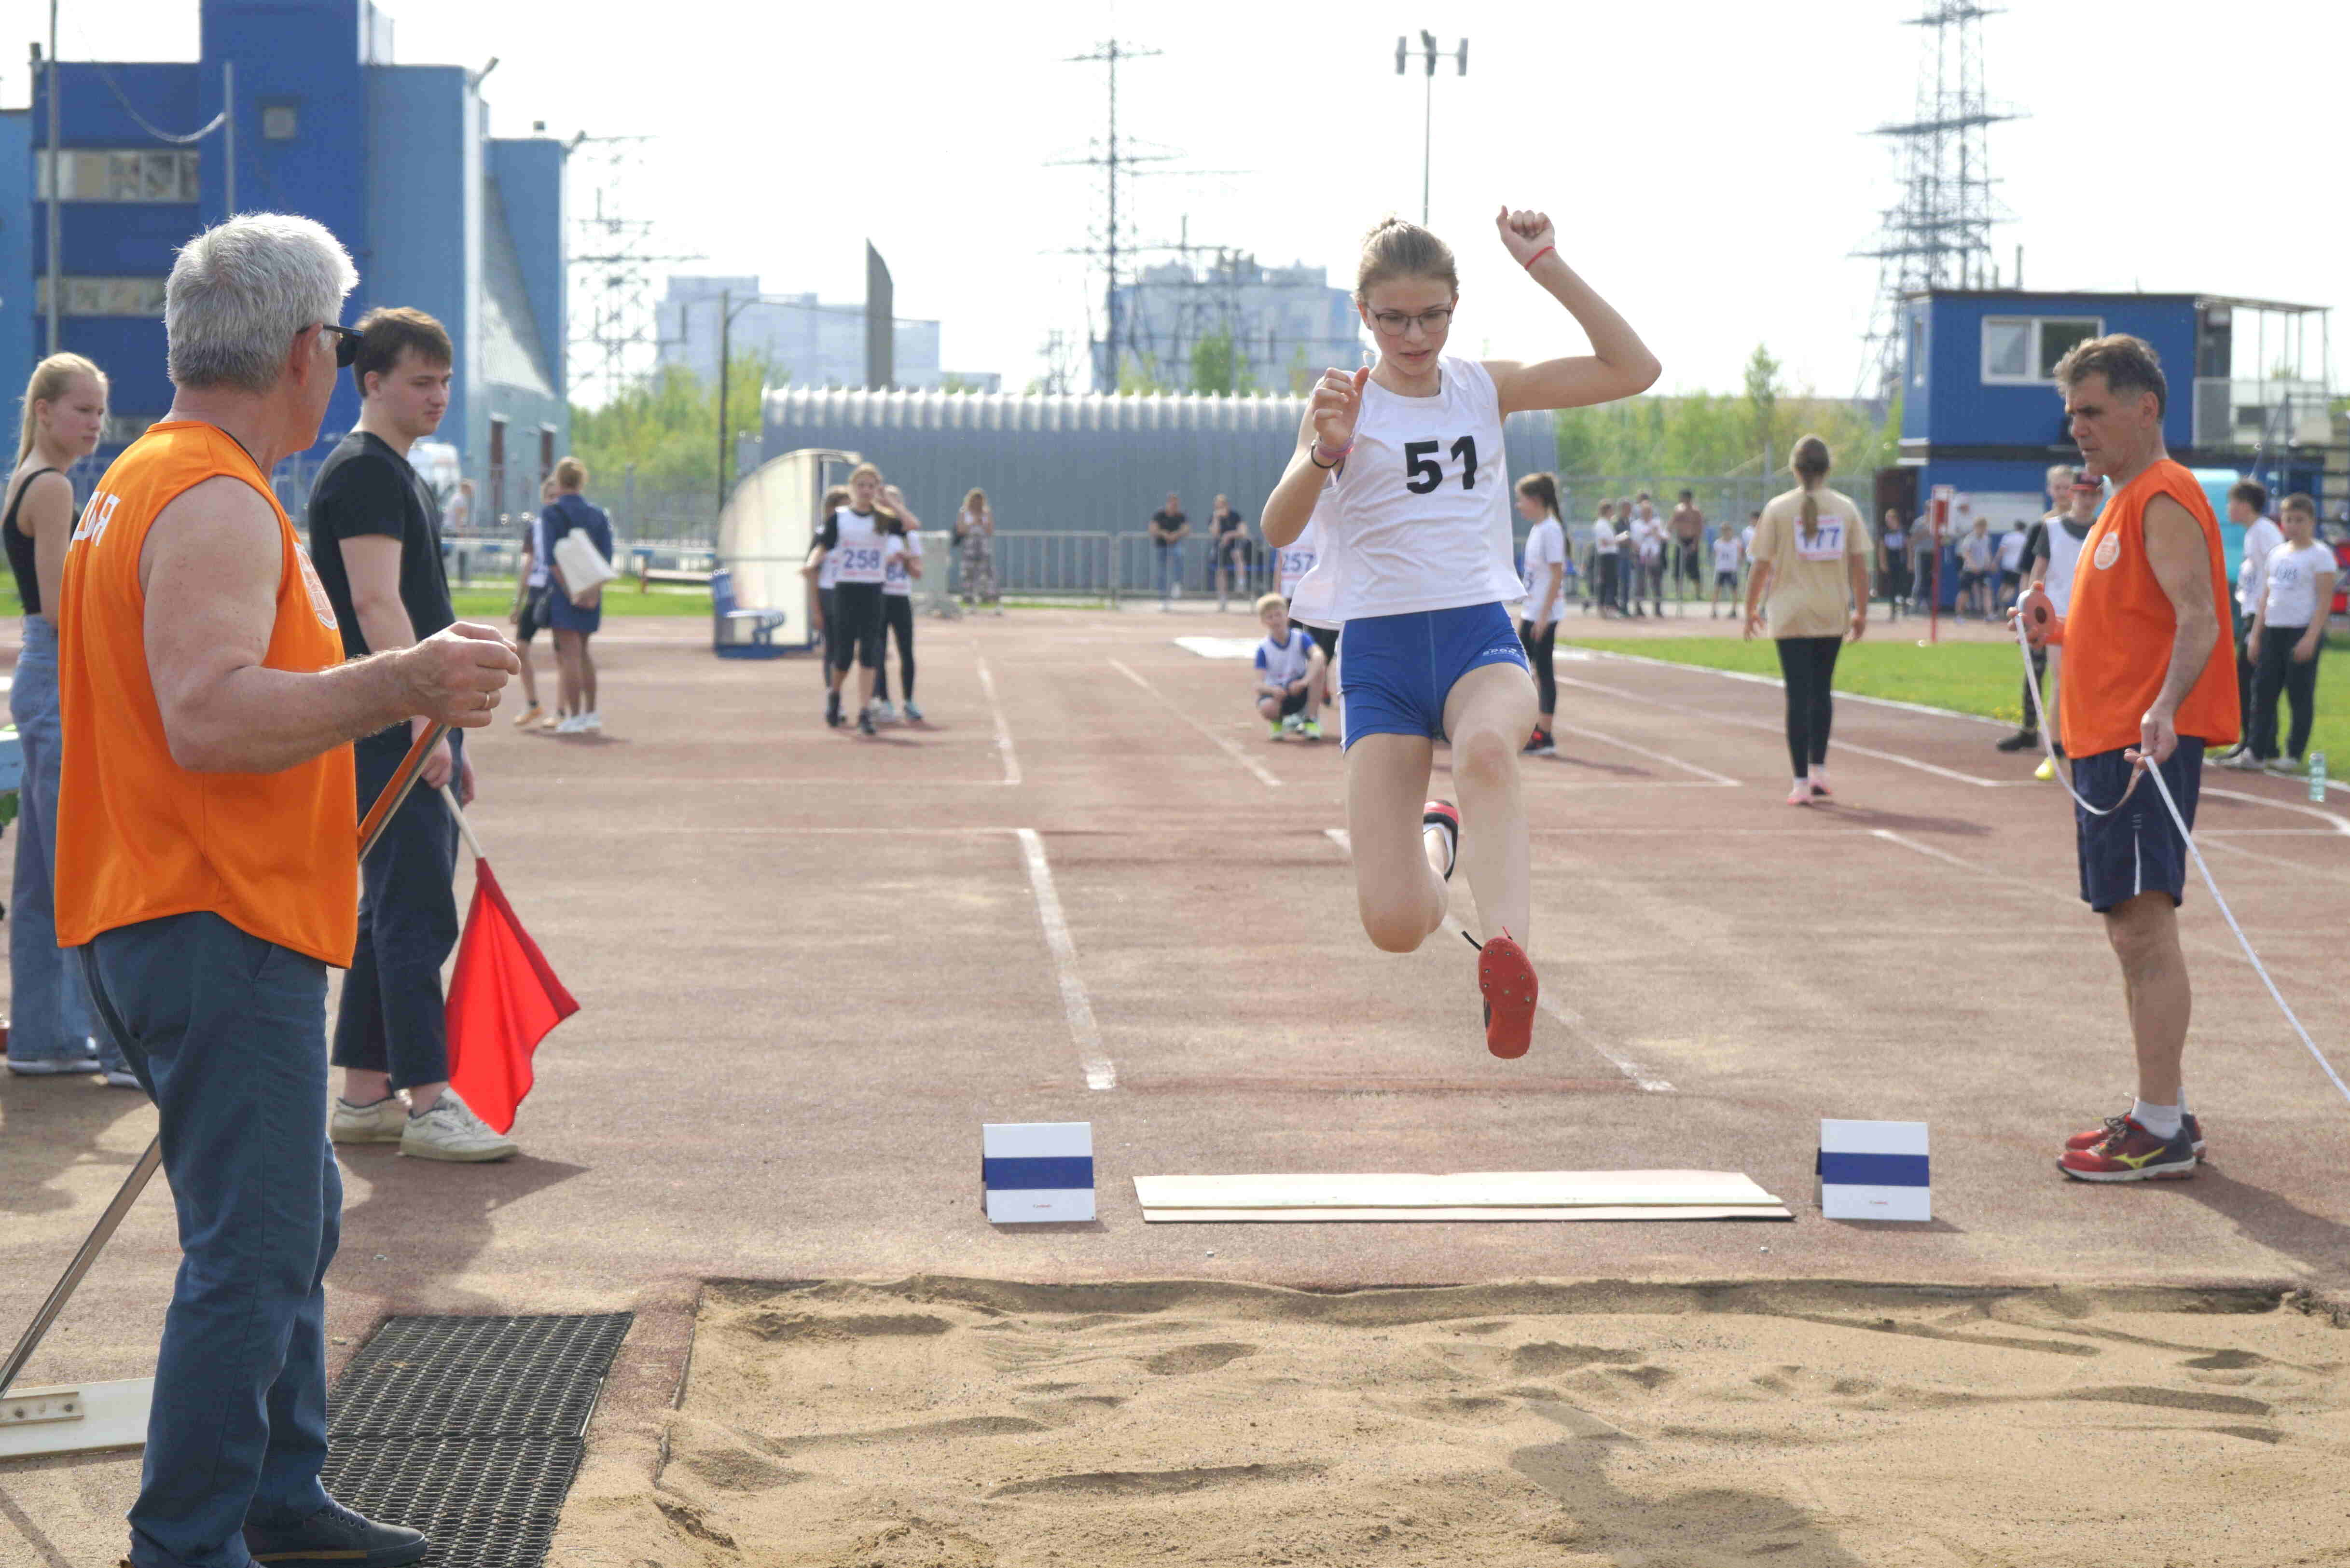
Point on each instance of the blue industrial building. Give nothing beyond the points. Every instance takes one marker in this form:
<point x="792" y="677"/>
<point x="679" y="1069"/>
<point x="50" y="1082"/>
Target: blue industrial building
<point x="1980" y="412"/>
<point x="395" y="160"/>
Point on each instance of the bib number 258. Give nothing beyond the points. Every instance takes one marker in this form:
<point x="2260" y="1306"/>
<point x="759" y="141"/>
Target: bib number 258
<point x="1424" y="473"/>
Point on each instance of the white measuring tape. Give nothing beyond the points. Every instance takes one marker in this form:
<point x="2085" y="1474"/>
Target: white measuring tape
<point x="2148" y="770"/>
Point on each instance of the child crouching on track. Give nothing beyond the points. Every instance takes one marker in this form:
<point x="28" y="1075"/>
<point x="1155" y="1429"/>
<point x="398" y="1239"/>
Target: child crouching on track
<point x="1290" y="671"/>
<point x="1405" y="460"/>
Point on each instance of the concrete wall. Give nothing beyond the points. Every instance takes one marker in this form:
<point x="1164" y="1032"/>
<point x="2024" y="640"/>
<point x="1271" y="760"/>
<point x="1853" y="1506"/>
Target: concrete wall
<point x="417" y="172"/>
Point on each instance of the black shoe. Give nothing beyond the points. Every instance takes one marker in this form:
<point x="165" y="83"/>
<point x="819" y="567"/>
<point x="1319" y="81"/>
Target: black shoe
<point x="832" y="710"/>
<point x="336" y="1535"/>
<point x="2023" y="739"/>
<point x="865" y="722"/>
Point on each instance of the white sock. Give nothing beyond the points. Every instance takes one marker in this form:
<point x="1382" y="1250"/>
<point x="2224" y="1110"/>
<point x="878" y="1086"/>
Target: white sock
<point x="2162" y="1121"/>
<point x="1441" y="861"/>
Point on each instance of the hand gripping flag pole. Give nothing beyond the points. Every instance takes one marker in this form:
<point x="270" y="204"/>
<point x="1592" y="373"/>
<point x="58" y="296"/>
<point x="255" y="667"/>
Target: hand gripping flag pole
<point x="411" y="767"/>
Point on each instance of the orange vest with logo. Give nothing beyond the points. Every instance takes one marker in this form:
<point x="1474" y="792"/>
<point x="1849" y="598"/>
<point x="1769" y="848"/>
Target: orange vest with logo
<point x="139" y="836"/>
<point x="2119" y="627"/>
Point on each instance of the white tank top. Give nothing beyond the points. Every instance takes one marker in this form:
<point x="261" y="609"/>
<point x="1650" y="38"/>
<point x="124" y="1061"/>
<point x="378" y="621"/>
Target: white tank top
<point x="858" y="544"/>
<point x="1296" y="559"/>
<point x="897" y="582"/>
<point x="1420" y="513"/>
<point x="2064" y="558"/>
<point x="1314" y="593"/>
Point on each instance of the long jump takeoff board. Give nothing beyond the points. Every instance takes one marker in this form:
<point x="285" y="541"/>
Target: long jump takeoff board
<point x="1512" y="1195"/>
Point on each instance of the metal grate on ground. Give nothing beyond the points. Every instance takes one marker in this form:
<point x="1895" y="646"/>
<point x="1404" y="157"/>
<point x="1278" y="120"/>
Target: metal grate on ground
<point x="470" y="1428"/>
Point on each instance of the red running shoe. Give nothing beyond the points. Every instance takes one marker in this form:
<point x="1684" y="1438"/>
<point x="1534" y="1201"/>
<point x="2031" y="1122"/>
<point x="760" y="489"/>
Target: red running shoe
<point x="2130" y="1153"/>
<point x="2112" y="1125"/>
<point x="1507" y="978"/>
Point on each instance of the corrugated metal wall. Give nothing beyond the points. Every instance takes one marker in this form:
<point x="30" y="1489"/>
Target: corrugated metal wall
<point x="1084" y="464"/>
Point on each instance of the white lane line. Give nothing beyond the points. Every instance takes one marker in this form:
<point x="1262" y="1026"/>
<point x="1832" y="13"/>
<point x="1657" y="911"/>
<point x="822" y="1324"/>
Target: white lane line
<point x="1002" y="729"/>
<point x="2323" y="875"/>
<point x="1774" y="682"/>
<point x="1099" y="1073"/>
<point x="1746" y="723"/>
<point x="1906" y="842"/>
<point x="1708" y="774"/>
<point x="1224" y="741"/>
<point x="1574" y="1022"/>
<point x="2341" y="823"/>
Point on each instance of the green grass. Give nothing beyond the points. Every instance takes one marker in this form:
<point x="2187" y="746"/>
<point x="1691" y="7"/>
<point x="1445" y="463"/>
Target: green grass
<point x="1983" y="677"/>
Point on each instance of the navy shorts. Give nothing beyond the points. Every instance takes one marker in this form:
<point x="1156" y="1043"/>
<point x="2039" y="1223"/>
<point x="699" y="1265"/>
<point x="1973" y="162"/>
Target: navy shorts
<point x="2136" y="849"/>
<point x="1401" y="668"/>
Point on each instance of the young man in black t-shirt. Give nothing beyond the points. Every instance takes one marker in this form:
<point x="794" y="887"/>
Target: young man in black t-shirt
<point x="1227" y="550"/>
<point x="375" y="541"/>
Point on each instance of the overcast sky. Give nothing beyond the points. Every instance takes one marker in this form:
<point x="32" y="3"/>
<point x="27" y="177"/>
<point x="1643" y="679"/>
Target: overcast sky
<point x="1705" y="159"/>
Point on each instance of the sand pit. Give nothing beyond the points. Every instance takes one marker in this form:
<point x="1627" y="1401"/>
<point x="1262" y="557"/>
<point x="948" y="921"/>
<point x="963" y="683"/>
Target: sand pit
<point x="962" y="1422"/>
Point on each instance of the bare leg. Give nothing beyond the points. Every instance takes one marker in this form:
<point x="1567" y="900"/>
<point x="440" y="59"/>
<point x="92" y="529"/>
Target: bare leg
<point x="586" y="672"/>
<point x="1399" y="894"/>
<point x="2144" y="932"/>
<point x="529" y="677"/>
<point x="567" y="673"/>
<point x="1489" y="713"/>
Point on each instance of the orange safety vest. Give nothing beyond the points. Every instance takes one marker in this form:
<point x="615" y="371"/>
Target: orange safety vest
<point x="140" y="838"/>
<point x="2119" y="627"/>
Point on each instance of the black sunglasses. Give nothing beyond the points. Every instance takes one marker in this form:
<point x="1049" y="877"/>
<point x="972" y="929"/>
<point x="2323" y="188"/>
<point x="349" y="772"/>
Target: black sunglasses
<point x="347" y="343"/>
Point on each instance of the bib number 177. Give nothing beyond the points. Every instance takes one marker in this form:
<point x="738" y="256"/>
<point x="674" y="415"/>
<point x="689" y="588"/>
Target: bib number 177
<point x="1424" y="473"/>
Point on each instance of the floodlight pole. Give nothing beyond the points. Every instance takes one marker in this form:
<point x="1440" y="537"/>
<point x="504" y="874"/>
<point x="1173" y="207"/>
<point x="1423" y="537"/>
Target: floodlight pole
<point x="1428" y="51"/>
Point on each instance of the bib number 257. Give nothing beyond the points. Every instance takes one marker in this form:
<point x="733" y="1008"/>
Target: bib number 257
<point x="1424" y="473"/>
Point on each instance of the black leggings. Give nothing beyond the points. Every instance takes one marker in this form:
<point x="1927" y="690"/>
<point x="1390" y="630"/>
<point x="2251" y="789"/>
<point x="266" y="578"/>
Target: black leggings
<point x="1539" y="651"/>
<point x="898" y="616"/>
<point x="1809" y="665"/>
<point x="2276" y="672"/>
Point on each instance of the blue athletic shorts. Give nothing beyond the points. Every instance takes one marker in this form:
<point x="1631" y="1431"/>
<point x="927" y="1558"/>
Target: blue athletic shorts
<point x="1400" y="668"/>
<point x="2136" y="849"/>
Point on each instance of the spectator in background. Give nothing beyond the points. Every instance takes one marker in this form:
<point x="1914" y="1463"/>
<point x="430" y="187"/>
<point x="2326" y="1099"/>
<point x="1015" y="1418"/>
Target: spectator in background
<point x="52" y="1030"/>
<point x="529" y="612"/>
<point x="2054" y="552"/>
<point x="1726" y="552"/>
<point x="575" y="616"/>
<point x="1169" y="529"/>
<point x="1227" y="550"/>
<point x="2248" y="505"/>
<point x="2289" y="633"/>
<point x="901" y="565"/>
<point x="2062" y="504"/>
<point x="1893" y="561"/>
<point x="826" y="576"/>
<point x="1688" y="525"/>
<point x="1607" y="560"/>
<point x="2011" y="564"/>
<point x="1927" y="538"/>
<point x="1546" y="585"/>
<point x="1649" y="543"/>
<point x="459" y="519"/>
<point x="975" y="533"/>
<point x="375" y="527"/>
<point x="1978" y="562"/>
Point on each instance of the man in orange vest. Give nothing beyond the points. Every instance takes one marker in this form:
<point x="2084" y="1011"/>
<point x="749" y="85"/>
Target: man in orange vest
<point x="205" y="869"/>
<point x="2147" y="681"/>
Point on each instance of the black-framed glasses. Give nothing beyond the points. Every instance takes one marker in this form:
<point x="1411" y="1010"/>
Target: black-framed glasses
<point x="1395" y="323"/>
<point x="347" y="343"/>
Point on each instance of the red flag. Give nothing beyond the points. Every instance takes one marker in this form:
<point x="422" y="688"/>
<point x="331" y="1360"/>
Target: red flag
<point x="503" y="998"/>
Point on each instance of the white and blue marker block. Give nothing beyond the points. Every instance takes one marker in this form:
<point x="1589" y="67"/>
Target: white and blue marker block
<point x="1874" y="1171"/>
<point x="1037" y="1172"/>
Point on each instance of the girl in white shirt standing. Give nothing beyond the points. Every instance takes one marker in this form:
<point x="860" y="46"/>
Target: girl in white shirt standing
<point x="1545" y="583"/>
<point x="1416" y="531"/>
<point x="2289" y="632"/>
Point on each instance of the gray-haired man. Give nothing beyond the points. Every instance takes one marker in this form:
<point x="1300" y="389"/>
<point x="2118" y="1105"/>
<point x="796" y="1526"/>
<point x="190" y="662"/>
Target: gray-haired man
<point x="205" y="840"/>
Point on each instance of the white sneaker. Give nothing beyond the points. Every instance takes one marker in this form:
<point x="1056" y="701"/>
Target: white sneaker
<point x="53" y="1067"/>
<point x="913" y="714"/>
<point x="382" y="1122"/>
<point x="572" y="725"/>
<point x="592" y="721"/>
<point x="885" y="711"/>
<point x="450" y="1131"/>
<point x="122" y="1078"/>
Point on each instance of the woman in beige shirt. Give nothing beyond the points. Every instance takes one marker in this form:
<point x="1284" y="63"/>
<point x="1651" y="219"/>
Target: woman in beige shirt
<point x="1811" y="557"/>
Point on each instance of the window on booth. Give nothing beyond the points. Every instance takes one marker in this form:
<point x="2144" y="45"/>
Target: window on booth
<point x="2023" y="351"/>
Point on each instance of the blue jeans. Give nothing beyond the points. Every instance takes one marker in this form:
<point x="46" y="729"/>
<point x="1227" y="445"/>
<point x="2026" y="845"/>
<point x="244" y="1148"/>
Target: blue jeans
<point x="1171" y="567"/>
<point x="392" y="1018"/>
<point x="51" y="1019"/>
<point x="228" y="1033"/>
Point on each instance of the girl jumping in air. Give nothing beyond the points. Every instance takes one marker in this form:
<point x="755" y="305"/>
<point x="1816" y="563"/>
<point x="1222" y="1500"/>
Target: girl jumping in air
<point x="1415" y="534"/>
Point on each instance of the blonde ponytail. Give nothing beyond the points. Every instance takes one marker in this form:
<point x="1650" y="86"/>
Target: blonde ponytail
<point x="53" y="378"/>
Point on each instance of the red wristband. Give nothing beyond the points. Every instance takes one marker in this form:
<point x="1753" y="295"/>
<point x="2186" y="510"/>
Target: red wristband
<point x="1538" y="255"/>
